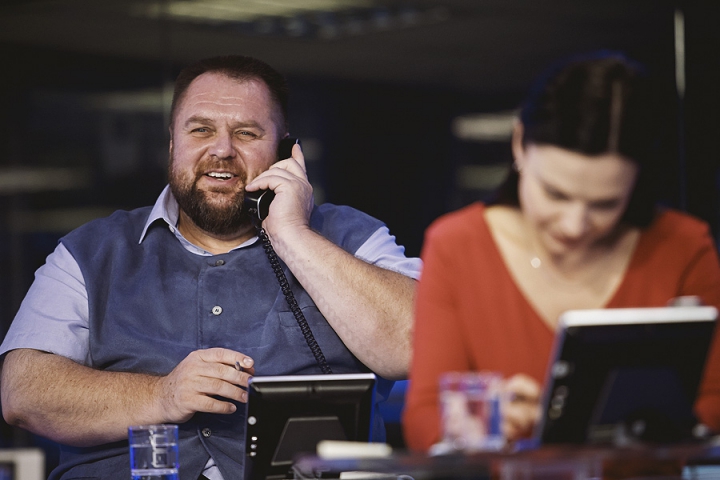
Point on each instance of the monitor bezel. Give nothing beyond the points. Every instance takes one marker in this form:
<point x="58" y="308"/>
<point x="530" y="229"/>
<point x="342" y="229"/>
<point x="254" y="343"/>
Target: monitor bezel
<point x="641" y="324"/>
<point x="280" y="397"/>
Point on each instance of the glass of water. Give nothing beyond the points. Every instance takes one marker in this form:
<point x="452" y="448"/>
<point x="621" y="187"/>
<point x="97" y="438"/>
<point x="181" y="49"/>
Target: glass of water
<point x="153" y="452"/>
<point x="470" y="411"/>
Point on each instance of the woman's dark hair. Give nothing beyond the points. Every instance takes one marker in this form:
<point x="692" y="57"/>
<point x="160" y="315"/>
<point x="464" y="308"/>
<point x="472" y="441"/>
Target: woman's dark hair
<point x="238" y="68"/>
<point x="594" y="104"/>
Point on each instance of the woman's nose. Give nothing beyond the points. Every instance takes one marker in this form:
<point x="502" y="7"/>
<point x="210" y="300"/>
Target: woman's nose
<point x="574" y="222"/>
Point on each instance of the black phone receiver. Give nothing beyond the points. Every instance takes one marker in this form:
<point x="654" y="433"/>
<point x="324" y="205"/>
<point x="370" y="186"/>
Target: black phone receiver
<point x="257" y="203"/>
<point x="285" y="147"/>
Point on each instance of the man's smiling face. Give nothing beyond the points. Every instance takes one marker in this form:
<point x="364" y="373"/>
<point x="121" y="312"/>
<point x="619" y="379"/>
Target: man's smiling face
<point x="224" y="134"/>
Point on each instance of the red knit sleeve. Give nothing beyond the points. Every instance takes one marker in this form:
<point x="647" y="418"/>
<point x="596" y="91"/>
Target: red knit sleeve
<point x="437" y="339"/>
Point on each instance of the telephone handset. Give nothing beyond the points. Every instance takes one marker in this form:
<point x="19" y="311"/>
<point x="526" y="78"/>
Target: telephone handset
<point x="257" y="205"/>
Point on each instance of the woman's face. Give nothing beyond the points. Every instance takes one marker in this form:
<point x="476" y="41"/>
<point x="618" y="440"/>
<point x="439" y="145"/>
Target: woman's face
<point x="572" y="201"/>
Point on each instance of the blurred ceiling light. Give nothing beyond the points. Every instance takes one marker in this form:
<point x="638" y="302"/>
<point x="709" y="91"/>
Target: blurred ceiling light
<point x="150" y="101"/>
<point x="241" y="11"/>
<point x="15" y="180"/>
<point x="484" y="126"/>
<point x="326" y="19"/>
<point x="480" y="177"/>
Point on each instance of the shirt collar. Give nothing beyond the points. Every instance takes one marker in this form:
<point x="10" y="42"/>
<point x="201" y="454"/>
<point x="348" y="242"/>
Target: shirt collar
<point x="165" y="208"/>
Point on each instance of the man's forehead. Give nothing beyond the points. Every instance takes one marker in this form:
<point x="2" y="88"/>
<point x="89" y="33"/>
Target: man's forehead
<point x="222" y="89"/>
<point x="219" y="85"/>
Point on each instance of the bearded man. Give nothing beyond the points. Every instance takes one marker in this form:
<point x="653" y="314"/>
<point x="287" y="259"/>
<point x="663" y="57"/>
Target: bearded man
<point x="142" y="317"/>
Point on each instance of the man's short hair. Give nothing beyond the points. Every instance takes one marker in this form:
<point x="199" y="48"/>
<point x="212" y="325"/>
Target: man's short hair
<point x="237" y="67"/>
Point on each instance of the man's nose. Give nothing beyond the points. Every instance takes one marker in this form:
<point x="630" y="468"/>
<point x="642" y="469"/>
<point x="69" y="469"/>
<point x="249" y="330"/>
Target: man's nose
<point x="222" y="146"/>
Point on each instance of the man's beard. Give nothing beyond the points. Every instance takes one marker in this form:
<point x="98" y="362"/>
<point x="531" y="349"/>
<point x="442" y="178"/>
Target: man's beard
<point x="222" y="219"/>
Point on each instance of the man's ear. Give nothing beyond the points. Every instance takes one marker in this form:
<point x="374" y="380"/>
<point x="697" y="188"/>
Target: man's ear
<point x="518" y="149"/>
<point x="171" y="140"/>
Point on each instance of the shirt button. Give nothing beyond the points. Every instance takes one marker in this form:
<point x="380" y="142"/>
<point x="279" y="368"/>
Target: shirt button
<point x="206" y="432"/>
<point x="217" y="310"/>
<point x="219" y="263"/>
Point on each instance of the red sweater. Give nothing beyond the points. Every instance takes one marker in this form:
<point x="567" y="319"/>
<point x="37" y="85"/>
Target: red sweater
<point x="470" y="315"/>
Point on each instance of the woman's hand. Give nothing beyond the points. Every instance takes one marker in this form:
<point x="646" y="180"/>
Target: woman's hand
<point x="520" y="407"/>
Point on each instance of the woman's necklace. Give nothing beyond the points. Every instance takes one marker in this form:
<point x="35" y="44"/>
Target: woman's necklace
<point x="596" y="272"/>
<point x="592" y="271"/>
<point x="594" y="276"/>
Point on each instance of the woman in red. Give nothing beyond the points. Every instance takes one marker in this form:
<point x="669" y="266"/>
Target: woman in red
<point x="573" y="227"/>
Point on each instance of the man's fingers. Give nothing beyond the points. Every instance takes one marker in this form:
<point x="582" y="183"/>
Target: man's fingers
<point x="299" y="156"/>
<point x="224" y="356"/>
<point x="202" y="381"/>
<point x="206" y="394"/>
<point x="219" y="372"/>
<point x="292" y="168"/>
<point x="225" y="367"/>
<point x="221" y="388"/>
<point x="282" y="172"/>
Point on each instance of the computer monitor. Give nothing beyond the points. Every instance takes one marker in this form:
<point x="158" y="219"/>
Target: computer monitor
<point x="625" y="375"/>
<point x="288" y="416"/>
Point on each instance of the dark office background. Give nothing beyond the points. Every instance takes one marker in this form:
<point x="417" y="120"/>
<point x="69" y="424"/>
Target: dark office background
<point x="403" y="106"/>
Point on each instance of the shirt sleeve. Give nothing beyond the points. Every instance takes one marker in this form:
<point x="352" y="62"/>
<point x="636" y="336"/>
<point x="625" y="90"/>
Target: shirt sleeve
<point x="53" y="317"/>
<point x="381" y="249"/>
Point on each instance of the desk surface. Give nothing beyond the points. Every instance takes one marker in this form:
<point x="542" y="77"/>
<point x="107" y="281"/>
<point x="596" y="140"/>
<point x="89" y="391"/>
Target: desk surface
<point x="556" y="462"/>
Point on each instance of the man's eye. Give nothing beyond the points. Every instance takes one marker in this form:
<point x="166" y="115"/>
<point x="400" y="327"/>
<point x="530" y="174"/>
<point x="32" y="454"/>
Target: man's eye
<point x="245" y="133"/>
<point x="200" y="130"/>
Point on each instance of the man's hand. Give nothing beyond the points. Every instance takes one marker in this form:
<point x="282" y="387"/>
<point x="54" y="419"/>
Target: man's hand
<point x="293" y="202"/>
<point x="521" y="406"/>
<point x="202" y="375"/>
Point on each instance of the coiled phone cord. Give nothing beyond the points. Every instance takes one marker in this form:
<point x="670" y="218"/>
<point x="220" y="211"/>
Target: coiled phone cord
<point x="292" y="303"/>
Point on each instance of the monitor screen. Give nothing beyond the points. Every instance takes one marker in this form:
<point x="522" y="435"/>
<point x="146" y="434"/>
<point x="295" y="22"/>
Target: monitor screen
<point x="288" y="416"/>
<point x="625" y="375"/>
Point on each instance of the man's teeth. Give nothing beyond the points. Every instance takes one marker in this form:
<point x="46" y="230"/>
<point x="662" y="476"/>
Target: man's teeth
<point x="222" y="176"/>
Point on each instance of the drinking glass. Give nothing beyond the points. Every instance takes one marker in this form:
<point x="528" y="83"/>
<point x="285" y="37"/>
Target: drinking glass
<point x="153" y="452"/>
<point x="470" y="410"/>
